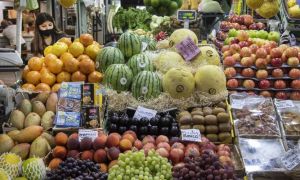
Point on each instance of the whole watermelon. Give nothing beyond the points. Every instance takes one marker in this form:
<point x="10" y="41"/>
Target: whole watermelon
<point x="118" y="77"/>
<point x="108" y="56"/>
<point x="140" y="62"/>
<point x="129" y="44"/>
<point x="146" y="85"/>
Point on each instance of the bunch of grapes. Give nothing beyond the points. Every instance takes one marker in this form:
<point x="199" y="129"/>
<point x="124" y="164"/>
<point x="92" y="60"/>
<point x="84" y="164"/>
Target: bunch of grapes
<point x="76" y="169"/>
<point x="205" y="167"/>
<point x="137" y="166"/>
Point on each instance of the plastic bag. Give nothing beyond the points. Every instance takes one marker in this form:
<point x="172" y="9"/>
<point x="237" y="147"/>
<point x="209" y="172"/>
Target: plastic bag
<point x="32" y="4"/>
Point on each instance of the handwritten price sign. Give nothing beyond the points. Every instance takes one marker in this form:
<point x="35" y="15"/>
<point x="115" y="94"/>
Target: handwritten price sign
<point x="188" y="49"/>
<point x="193" y="135"/>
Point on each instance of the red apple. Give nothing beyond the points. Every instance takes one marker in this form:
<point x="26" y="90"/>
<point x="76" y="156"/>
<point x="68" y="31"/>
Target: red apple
<point x="293" y="61"/>
<point x="234" y="48"/>
<point x="245" y="52"/>
<point x="272" y="44"/>
<point x="284" y="57"/>
<point x="281" y="95"/>
<point x="176" y="155"/>
<point x="194" y="152"/>
<point x="261" y="53"/>
<point x="298" y="55"/>
<point x="225" y="48"/>
<point x="261" y="74"/>
<point x="265" y="94"/>
<point x="267" y="47"/>
<point x="237" y="57"/>
<point x="230" y="72"/>
<point x="268" y="59"/>
<point x="248" y="20"/>
<point x="264" y="84"/>
<point x="276" y="62"/>
<point x="283" y="47"/>
<point x="260" y="26"/>
<point x="261" y="63"/>
<point x="242" y="35"/>
<point x="243" y="44"/>
<point x="164" y="145"/>
<point x="291" y="52"/>
<point x="276" y="53"/>
<point x="178" y="145"/>
<point x="247" y="61"/>
<point x="295" y="84"/>
<point x="249" y="84"/>
<point x="295" y="96"/>
<point x="248" y="72"/>
<point x="279" y="84"/>
<point x="294" y="73"/>
<point x="163" y="152"/>
<point x="253" y="48"/>
<point x="243" y="27"/>
<point x="277" y="73"/>
<point x="232" y="83"/>
<point x="229" y="61"/>
<point x="226" y="54"/>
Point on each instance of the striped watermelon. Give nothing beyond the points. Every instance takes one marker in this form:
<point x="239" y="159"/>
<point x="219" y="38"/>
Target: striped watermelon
<point x="129" y="44"/>
<point x="108" y="56"/>
<point x="118" y="77"/>
<point x="146" y="85"/>
<point x="151" y="43"/>
<point x="140" y="62"/>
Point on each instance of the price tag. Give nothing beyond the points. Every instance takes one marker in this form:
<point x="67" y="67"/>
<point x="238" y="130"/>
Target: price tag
<point x="298" y="2"/>
<point x="144" y="112"/>
<point x="188" y="49"/>
<point x="237" y="103"/>
<point x="144" y="46"/>
<point x="82" y="133"/>
<point x="193" y="135"/>
<point x="183" y="15"/>
<point x="291" y="159"/>
<point x="283" y="104"/>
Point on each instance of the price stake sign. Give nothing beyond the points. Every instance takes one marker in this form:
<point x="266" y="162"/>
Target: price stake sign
<point x="183" y="15"/>
<point x="284" y="104"/>
<point x="188" y="49"/>
<point x="193" y="135"/>
<point x="291" y="159"/>
<point x="142" y="112"/>
<point x="82" y="133"/>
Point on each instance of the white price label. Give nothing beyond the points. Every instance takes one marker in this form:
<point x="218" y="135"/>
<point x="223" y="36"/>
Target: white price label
<point x="193" y="135"/>
<point x="144" y="112"/>
<point x="283" y="104"/>
<point x="291" y="159"/>
<point x="237" y="103"/>
<point x="82" y="133"/>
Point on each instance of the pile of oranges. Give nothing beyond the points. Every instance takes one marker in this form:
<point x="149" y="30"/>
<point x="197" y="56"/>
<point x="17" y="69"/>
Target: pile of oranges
<point x="64" y="61"/>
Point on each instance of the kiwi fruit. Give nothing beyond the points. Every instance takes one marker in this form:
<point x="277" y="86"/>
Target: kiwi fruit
<point x="217" y="110"/>
<point x="223" y="117"/>
<point x="222" y="105"/>
<point x="182" y="113"/>
<point x="210" y="120"/>
<point x="225" y="127"/>
<point x="197" y="109"/>
<point x="225" y="137"/>
<point x="198" y="119"/>
<point x="197" y="113"/>
<point x="207" y="111"/>
<point x="212" y="137"/>
<point x="200" y="127"/>
<point x="185" y="119"/>
<point x="185" y="127"/>
<point x="211" y="129"/>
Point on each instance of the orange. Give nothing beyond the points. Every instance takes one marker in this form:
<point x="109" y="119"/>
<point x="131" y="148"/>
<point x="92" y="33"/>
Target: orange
<point x="83" y="56"/>
<point x="78" y="76"/>
<point x="55" y="87"/>
<point x="55" y="66"/>
<point x="35" y="64"/>
<point x="44" y="70"/>
<point x="47" y="50"/>
<point x="71" y="65"/>
<point x="95" y="77"/>
<point x="65" y="40"/>
<point x="97" y="44"/>
<point x="86" y="66"/>
<point x="86" y="39"/>
<point x="59" y="48"/>
<point x="76" y="49"/>
<point x="63" y="77"/>
<point x="92" y="51"/>
<point x="48" y="58"/>
<point x="42" y="87"/>
<point x="25" y="71"/>
<point x="66" y="56"/>
<point x="48" y="78"/>
<point x="28" y="87"/>
<point x="33" y="77"/>
<point x="76" y="40"/>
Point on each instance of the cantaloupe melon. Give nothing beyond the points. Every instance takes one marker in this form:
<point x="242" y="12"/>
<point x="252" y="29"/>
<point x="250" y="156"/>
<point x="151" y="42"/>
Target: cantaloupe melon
<point x="168" y="60"/>
<point x="180" y="34"/>
<point x="207" y="55"/>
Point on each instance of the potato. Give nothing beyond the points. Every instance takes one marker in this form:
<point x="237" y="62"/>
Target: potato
<point x="223" y="117"/>
<point x="211" y="129"/>
<point x="198" y="119"/>
<point x="210" y="120"/>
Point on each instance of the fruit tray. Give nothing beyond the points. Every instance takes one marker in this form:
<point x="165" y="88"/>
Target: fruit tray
<point x="237" y="160"/>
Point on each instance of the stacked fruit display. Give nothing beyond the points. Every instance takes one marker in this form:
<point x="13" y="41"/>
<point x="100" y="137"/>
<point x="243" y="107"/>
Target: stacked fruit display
<point x="162" y="123"/>
<point x="268" y="69"/>
<point x="64" y="61"/>
<point x="266" y="9"/>
<point x="293" y="8"/>
<point x="213" y="122"/>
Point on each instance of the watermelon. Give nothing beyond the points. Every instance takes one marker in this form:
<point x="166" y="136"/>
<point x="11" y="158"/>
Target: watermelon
<point x="129" y="44"/>
<point x="140" y="62"/>
<point x="108" y="56"/>
<point x="146" y="85"/>
<point x="118" y="77"/>
<point x="151" y="43"/>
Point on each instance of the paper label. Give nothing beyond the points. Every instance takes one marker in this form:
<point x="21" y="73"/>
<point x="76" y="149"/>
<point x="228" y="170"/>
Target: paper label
<point x="193" y="135"/>
<point x="291" y="159"/>
<point x="188" y="49"/>
<point x="142" y="112"/>
<point x="283" y="104"/>
<point x="144" y="46"/>
<point x="82" y="133"/>
<point x="237" y="103"/>
<point x="298" y="2"/>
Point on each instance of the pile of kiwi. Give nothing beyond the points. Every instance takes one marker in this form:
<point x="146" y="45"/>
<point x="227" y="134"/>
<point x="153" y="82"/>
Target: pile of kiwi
<point x="213" y="122"/>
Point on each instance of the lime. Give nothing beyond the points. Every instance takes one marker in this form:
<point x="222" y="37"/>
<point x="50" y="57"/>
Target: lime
<point x="165" y="3"/>
<point x="173" y="6"/>
<point x="154" y="3"/>
<point x="147" y="2"/>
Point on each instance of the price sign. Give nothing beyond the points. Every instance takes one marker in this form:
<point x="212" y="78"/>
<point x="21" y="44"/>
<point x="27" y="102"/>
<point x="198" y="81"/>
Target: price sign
<point x="144" y="112"/>
<point x="298" y="2"/>
<point x="237" y="103"/>
<point x="193" y="135"/>
<point x="283" y="104"/>
<point x="291" y="159"/>
<point x="183" y="15"/>
<point x="188" y="49"/>
<point x="82" y="133"/>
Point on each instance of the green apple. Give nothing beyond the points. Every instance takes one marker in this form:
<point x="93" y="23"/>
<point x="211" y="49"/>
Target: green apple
<point x="274" y="36"/>
<point x="232" y="33"/>
<point x="252" y="33"/>
<point x="228" y="40"/>
<point x="262" y="34"/>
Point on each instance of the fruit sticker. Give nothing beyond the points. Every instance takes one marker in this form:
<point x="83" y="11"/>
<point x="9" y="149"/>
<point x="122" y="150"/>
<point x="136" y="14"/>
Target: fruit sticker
<point x="212" y="91"/>
<point x="144" y="90"/>
<point x="188" y="49"/>
<point x="123" y="81"/>
<point x="179" y="88"/>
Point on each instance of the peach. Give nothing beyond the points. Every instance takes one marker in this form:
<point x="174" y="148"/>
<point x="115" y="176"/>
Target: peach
<point x="178" y="145"/>
<point x="129" y="137"/>
<point x="262" y="74"/>
<point x="138" y="144"/>
<point x="86" y="144"/>
<point x="265" y="94"/>
<point x="192" y="151"/>
<point x="59" y="152"/>
<point x="163" y="152"/>
<point x="161" y="138"/>
<point x="100" y="142"/>
<point x="103" y="167"/>
<point x="232" y="83"/>
<point x="54" y="163"/>
<point x="100" y="156"/>
<point x="73" y="154"/>
<point x="85" y="155"/>
<point x="230" y="72"/>
<point x="130" y="132"/>
<point x="237" y="57"/>
<point x="125" y="144"/>
<point x="113" y="153"/>
<point x="147" y="147"/>
<point x="229" y="61"/>
<point x="294" y="73"/>
<point x="113" y="140"/>
<point x="261" y="63"/>
<point x="248" y="72"/>
<point x="164" y="145"/>
<point x="72" y="143"/>
<point x="148" y="139"/>
<point x="61" y="139"/>
<point x="176" y="155"/>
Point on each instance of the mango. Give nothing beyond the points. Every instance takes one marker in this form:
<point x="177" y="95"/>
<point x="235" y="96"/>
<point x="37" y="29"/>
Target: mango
<point x="39" y="108"/>
<point x="6" y="143"/>
<point x="39" y="147"/>
<point x="51" y="102"/>
<point x="25" y="106"/>
<point x="22" y="150"/>
<point x="47" y="120"/>
<point x="29" y="134"/>
<point x="32" y="119"/>
<point x="17" y="119"/>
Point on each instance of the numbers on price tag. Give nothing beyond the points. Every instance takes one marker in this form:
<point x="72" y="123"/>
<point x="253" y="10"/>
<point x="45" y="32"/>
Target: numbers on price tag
<point x="193" y="135"/>
<point x="144" y="112"/>
<point x="283" y="104"/>
<point x="237" y="103"/>
<point x="291" y="159"/>
<point x="82" y="133"/>
<point x="188" y="49"/>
